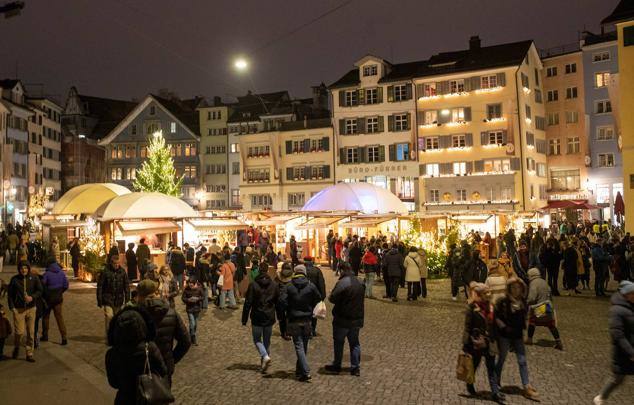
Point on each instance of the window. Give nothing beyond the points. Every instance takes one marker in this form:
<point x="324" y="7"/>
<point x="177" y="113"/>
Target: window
<point x="565" y="179"/>
<point x="261" y="200"/>
<point x="116" y="173"/>
<point x="372" y="96"/>
<point x="552" y="95"/>
<point x="234" y="148"/>
<point x="430" y="117"/>
<point x="370" y="70"/>
<point x="400" y="92"/>
<point x="572" y="145"/>
<point x="540" y="122"/>
<point x="494" y="111"/>
<point x="572" y="117"/>
<point x="219" y="116"/>
<point x="571" y="92"/>
<point x="459" y="168"/>
<point x="602" y="107"/>
<point x="496" y="138"/>
<point x="190" y="149"/>
<point x="133" y="129"/>
<point x="263" y="175"/>
<point x="605" y="133"/>
<point x="458" y="141"/>
<point x="190" y="172"/>
<point x="434" y="196"/>
<point x="525" y="82"/>
<point x="553" y="118"/>
<point x="456" y="86"/>
<point x="173" y="127"/>
<point x="628" y="36"/>
<point x="400" y="122"/>
<point x="402" y="151"/>
<point x="601" y="56"/>
<point x="350" y="98"/>
<point x="296" y="199"/>
<point x="429" y="90"/>
<point x="352" y="155"/>
<point x="431" y="142"/>
<point x="457" y="114"/>
<point x="152" y="110"/>
<point x="538" y="96"/>
<point x="351" y="126"/>
<point x="571" y="68"/>
<point x="432" y="169"/>
<point x="143" y="151"/>
<point x="235" y="197"/>
<point x="551" y="71"/>
<point x="317" y="172"/>
<point x="461" y="195"/>
<point x="488" y="82"/>
<point x="372" y="125"/>
<point x="497" y="165"/>
<point x="554" y="147"/>
<point x="601" y="79"/>
<point x="373" y="154"/>
<point x="536" y="77"/>
<point x="316" y="145"/>
<point x="235" y="168"/>
<point x="606" y="159"/>
<point x="528" y="111"/>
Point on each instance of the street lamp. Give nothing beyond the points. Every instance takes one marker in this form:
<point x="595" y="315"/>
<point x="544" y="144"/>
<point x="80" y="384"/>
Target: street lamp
<point x="241" y="64"/>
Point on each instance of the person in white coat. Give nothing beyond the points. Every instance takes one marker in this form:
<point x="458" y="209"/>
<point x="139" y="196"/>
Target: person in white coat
<point x="413" y="263"/>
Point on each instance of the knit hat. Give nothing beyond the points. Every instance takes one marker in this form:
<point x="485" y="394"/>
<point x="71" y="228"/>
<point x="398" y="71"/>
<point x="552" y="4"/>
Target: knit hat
<point x="300" y="269"/>
<point x="285" y="274"/>
<point x="626" y="287"/>
<point x="479" y="288"/>
<point x="534" y="273"/>
<point x="146" y="288"/>
<point x="309" y="259"/>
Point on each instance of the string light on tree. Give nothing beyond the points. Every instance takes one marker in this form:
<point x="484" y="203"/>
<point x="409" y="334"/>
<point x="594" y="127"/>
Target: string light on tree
<point x="157" y="173"/>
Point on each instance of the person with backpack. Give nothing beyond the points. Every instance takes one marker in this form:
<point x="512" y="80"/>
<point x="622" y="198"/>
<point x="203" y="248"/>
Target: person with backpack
<point x="193" y="298"/>
<point x="261" y="300"/>
<point x="316" y="277"/>
<point x="55" y="284"/>
<point x="541" y="311"/>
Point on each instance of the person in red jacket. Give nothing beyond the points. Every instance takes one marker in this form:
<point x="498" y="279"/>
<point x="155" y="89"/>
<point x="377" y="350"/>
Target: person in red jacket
<point x="370" y="266"/>
<point x="338" y="249"/>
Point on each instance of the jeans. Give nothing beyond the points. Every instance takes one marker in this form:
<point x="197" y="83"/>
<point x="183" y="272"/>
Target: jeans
<point x="614" y="381"/>
<point x="59" y="317"/>
<point x="223" y="296"/>
<point x="193" y="322"/>
<point x="262" y="339"/>
<point x="301" y="349"/>
<point x="490" y="364"/>
<point x="179" y="280"/>
<point x="339" y="336"/>
<point x="504" y="345"/>
<point x="369" y="283"/>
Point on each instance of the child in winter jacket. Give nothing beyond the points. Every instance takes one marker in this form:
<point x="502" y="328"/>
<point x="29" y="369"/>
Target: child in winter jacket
<point x="193" y="299"/>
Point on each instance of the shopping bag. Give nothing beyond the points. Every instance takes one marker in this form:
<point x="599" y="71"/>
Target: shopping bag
<point x="221" y="281"/>
<point x="464" y="368"/>
<point x="152" y="389"/>
<point x="319" y="311"/>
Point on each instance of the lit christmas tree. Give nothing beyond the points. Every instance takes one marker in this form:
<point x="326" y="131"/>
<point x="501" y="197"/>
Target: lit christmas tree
<point x="94" y="247"/>
<point x="157" y="173"/>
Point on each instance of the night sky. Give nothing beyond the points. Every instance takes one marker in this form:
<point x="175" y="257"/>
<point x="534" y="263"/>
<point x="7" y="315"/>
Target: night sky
<point x="128" y="48"/>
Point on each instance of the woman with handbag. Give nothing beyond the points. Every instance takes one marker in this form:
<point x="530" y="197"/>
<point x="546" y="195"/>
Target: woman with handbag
<point x="133" y="353"/>
<point x="479" y="337"/>
<point x="541" y="312"/>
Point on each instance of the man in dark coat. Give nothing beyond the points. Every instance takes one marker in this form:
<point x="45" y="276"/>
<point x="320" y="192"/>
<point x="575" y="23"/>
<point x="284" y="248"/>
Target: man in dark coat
<point x="131" y="261"/>
<point x="316" y="277"/>
<point x="143" y="257"/>
<point x="601" y="263"/>
<point x="113" y="289"/>
<point x="25" y="290"/>
<point x="394" y="268"/>
<point x="348" y="313"/>
<point x="178" y="264"/>
<point x="621" y="321"/>
<point x="570" y="268"/>
<point x="354" y="257"/>
<point x="551" y="258"/>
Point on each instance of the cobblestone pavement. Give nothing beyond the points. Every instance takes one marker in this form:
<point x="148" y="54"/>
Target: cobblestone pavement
<point x="409" y="351"/>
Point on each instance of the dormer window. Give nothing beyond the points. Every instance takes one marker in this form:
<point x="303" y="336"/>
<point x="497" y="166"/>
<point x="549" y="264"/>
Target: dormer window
<point x="370" y="70"/>
<point x="152" y="110"/>
<point x="456" y="86"/>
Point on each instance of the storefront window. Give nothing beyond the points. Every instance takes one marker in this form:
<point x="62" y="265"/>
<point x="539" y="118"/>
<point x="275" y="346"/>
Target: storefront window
<point x="603" y="194"/>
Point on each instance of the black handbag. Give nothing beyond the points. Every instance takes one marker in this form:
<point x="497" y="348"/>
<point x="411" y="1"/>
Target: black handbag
<point x="152" y="389"/>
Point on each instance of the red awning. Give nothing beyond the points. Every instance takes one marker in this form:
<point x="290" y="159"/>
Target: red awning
<point x="565" y="204"/>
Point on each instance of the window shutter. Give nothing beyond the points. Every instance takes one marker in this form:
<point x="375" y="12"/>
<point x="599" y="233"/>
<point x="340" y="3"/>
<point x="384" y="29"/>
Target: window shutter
<point x="475" y="82"/>
<point x="289" y="173"/>
<point x="504" y="137"/>
<point x="501" y="78"/>
<point x="361" y="96"/>
<point x="469" y="167"/>
<point x="484" y="138"/>
<point x="408" y="91"/>
<point x="379" y="94"/>
<point x="467" y="114"/>
<point x="342" y="98"/>
<point x="444" y="87"/>
<point x="381" y="153"/>
<point x="289" y="147"/>
<point x="307" y="173"/>
<point x="392" y="153"/>
<point x="409" y="121"/>
<point x="390" y="94"/>
<point x="422" y="170"/>
<point x="445" y="168"/>
<point x="342" y="127"/>
<point x="390" y="123"/>
<point x="361" y="125"/>
<point x="467" y="84"/>
<point x="306" y="145"/>
<point x="515" y="163"/>
<point x="478" y="166"/>
<point x="326" y="143"/>
<point x="381" y="124"/>
<point x="442" y="119"/>
<point x="326" y="171"/>
<point x="360" y="153"/>
<point x="420" y="116"/>
<point x="422" y="143"/>
<point x="444" y="141"/>
<point x="419" y="90"/>
<point x="342" y="156"/>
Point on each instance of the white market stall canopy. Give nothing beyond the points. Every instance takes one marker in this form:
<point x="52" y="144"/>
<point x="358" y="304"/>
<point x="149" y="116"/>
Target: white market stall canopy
<point x="366" y="221"/>
<point x="132" y="228"/>
<point x="215" y="224"/>
<point x="276" y="220"/>
<point x="319" y="222"/>
<point x="358" y="197"/>
<point x="87" y="198"/>
<point x="144" y="206"/>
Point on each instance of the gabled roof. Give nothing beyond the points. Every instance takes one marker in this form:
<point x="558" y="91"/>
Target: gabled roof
<point x="184" y="110"/>
<point x="108" y="113"/>
<point x="251" y="106"/>
<point x="624" y="11"/>
<point x="9" y="83"/>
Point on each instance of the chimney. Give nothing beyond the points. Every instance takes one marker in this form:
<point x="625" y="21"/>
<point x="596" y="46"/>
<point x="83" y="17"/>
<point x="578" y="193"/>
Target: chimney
<point x="217" y="101"/>
<point x="474" y="43"/>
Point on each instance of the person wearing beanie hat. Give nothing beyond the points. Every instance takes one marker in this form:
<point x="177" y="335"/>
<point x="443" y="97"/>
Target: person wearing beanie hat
<point x="541" y="310"/>
<point x="621" y="321"/>
<point x="284" y="276"/>
<point x="145" y="288"/>
<point x="193" y="299"/>
<point x="300" y="269"/>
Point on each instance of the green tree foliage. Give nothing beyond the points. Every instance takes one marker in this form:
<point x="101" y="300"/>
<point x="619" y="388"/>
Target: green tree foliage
<point x="157" y="173"/>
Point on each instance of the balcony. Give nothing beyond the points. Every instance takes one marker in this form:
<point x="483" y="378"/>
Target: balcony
<point x="253" y="181"/>
<point x="258" y="155"/>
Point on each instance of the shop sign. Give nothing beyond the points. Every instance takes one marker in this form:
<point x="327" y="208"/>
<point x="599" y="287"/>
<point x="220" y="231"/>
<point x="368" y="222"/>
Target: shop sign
<point x="378" y="169"/>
